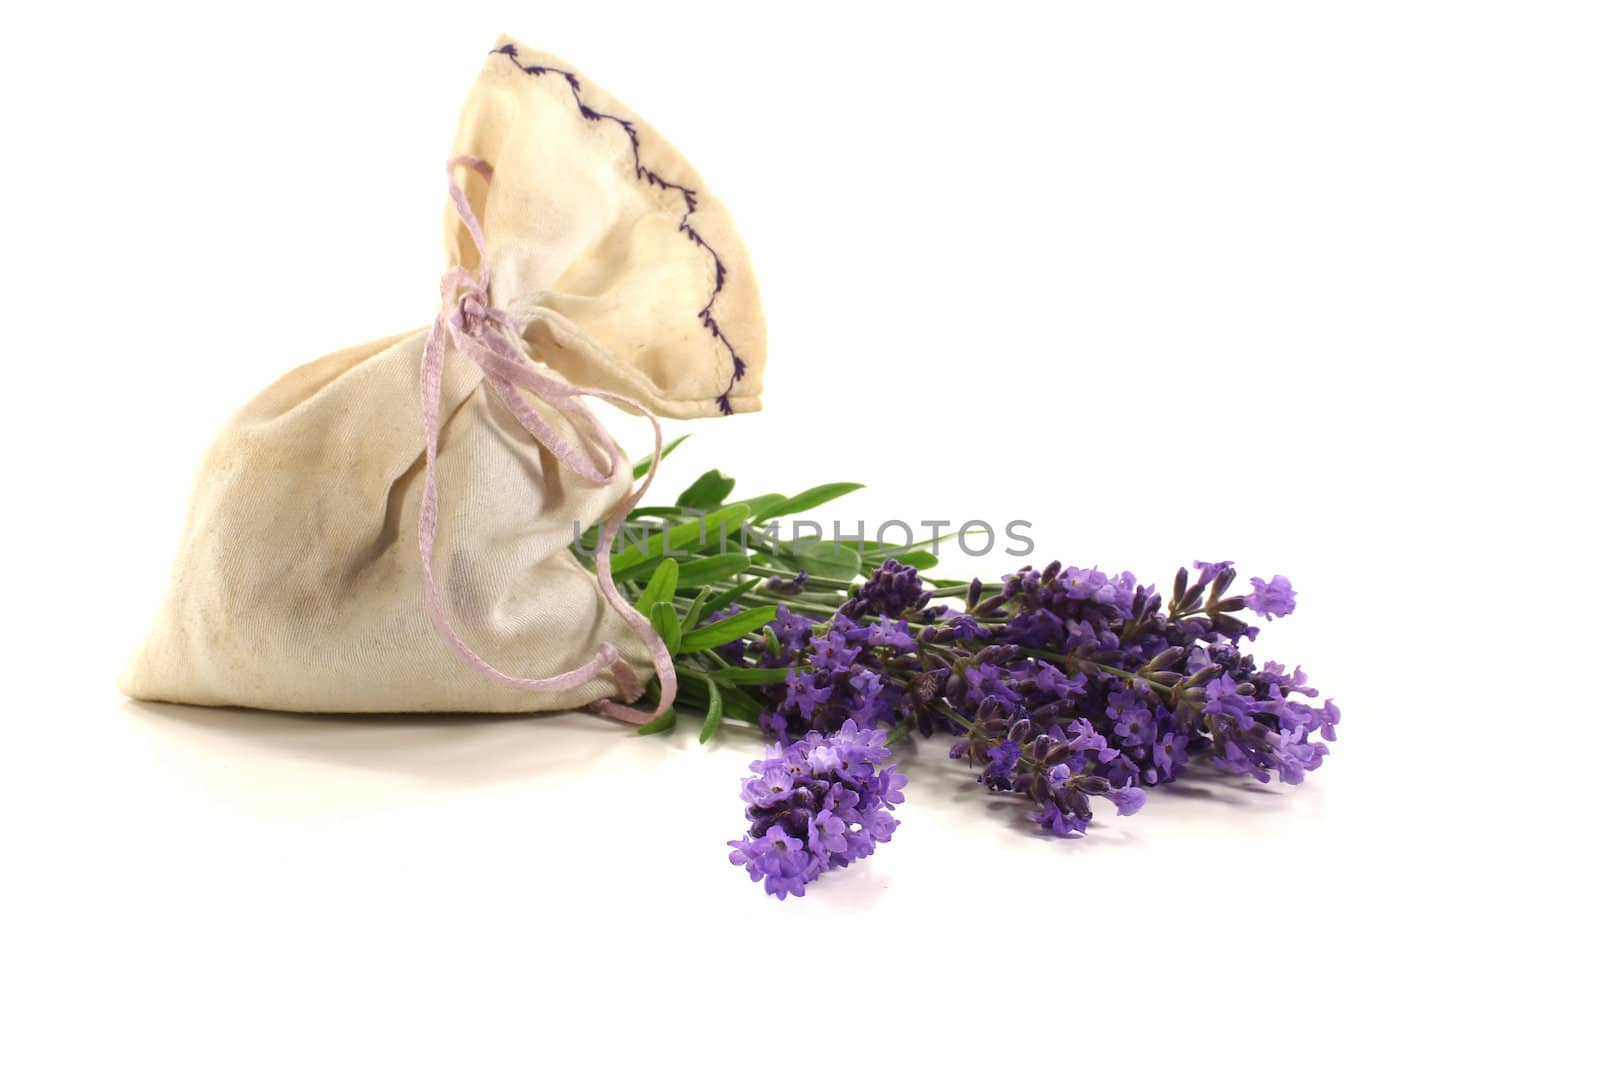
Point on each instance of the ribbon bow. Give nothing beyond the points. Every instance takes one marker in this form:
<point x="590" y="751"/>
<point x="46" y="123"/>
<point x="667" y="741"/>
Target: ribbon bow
<point x="491" y="338"/>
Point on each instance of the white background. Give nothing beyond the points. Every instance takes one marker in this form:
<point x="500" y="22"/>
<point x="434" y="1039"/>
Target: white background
<point x="1311" y="287"/>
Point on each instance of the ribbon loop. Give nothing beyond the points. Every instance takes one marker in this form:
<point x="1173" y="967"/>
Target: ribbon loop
<point x="491" y="339"/>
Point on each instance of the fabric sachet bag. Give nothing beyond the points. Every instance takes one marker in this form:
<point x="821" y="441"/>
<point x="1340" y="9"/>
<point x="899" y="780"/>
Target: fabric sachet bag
<point x="388" y="528"/>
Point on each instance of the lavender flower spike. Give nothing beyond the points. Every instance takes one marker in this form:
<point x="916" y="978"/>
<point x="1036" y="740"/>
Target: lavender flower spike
<point x="1271" y="598"/>
<point x="1069" y="687"/>
<point x="818" y="804"/>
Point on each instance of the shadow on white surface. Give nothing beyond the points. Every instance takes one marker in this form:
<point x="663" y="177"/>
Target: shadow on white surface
<point x="448" y="748"/>
<point x="269" y="751"/>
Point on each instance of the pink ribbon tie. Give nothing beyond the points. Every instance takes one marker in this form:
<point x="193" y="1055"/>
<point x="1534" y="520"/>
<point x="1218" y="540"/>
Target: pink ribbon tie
<point x="491" y="339"/>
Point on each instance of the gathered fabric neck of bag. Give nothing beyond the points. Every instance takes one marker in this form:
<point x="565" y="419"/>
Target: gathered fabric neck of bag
<point x="491" y="338"/>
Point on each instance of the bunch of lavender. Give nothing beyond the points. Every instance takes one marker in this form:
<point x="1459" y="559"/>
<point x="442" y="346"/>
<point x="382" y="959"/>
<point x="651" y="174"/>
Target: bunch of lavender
<point x="1061" y="685"/>
<point x="1057" y="685"/>
<point x="815" y="805"/>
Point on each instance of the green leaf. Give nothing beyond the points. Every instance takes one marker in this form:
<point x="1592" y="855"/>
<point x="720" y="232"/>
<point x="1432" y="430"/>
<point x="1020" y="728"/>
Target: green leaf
<point x="628" y="564"/>
<point x="713" y="712"/>
<point x="737" y="704"/>
<point x="691" y="618"/>
<point x="828" y="559"/>
<point x="665" y="721"/>
<point x="708" y="490"/>
<point x="751" y="675"/>
<point x="759" y="504"/>
<point x="659" y="512"/>
<point x="640" y="468"/>
<point x="664" y="618"/>
<point x="694" y="691"/>
<point x="728" y="596"/>
<point x="811" y="498"/>
<point x="662" y="584"/>
<point x="724" y="630"/>
<point x="708" y="569"/>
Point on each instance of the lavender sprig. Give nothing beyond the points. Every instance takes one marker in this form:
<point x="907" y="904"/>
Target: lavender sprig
<point x="816" y="805"/>
<point x="1064" y="685"/>
<point x="1060" y="685"/>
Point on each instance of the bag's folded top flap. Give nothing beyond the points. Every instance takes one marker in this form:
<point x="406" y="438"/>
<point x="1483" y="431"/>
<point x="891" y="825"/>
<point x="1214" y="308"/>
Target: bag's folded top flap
<point x="593" y="218"/>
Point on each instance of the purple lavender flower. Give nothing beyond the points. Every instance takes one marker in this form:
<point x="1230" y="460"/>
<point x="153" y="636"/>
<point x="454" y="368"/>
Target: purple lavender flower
<point x="793" y="630"/>
<point x="1296" y="755"/>
<point x="1271" y="598"/>
<point x="1135" y="722"/>
<point x="1060" y="823"/>
<point x="1208" y="571"/>
<point x="1275" y="674"/>
<point x="1128" y="799"/>
<point x="959" y="626"/>
<point x="1119" y="768"/>
<point x="805" y="694"/>
<point x="788" y="586"/>
<point x="1065" y="806"/>
<point x="1169" y="755"/>
<point x="1082" y="737"/>
<point x="782" y="861"/>
<point x="833" y="651"/>
<point x="1328" y="719"/>
<point x="893" y="634"/>
<point x="1050" y="679"/>
<point x="816" y="805"/>
<point x="1089" y="583"/>
<point x="871" y="701"/>
<point x="1224" y="699"/>
<point x="989" y="681"/>
<point x="1002" y="763"/>
<point x="1068" y="684"/>
<point x="892" y="591"/>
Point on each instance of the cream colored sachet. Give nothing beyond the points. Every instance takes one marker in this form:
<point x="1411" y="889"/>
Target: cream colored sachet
<point x="298" y="583"/>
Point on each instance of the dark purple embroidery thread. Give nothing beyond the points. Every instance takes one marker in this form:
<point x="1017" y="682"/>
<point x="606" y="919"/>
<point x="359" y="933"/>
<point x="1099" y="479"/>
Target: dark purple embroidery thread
<point x="650" y="177"/>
